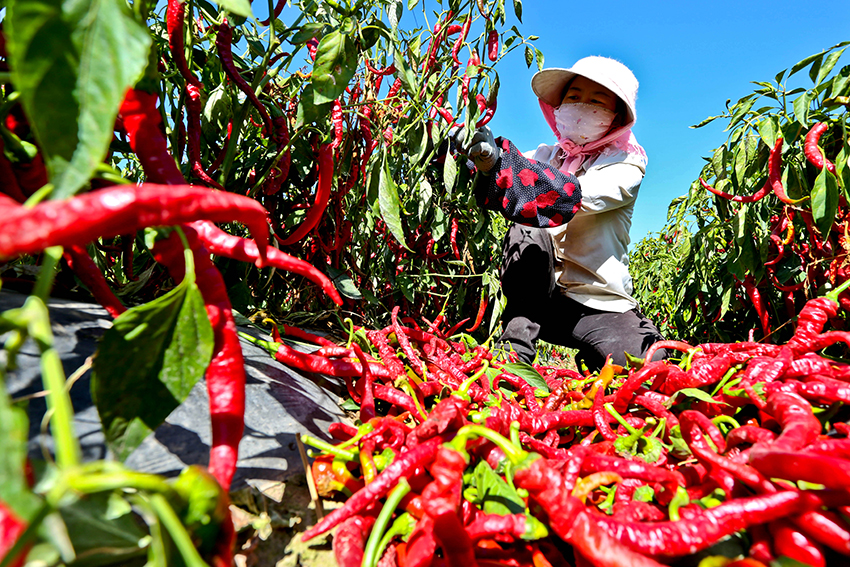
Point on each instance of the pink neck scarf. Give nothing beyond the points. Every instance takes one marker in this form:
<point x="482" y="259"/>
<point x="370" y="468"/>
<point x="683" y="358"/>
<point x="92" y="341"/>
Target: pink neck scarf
<point x="575" y="155"/>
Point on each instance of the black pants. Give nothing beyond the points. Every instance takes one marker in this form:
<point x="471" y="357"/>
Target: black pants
<point x="536" y="309"/>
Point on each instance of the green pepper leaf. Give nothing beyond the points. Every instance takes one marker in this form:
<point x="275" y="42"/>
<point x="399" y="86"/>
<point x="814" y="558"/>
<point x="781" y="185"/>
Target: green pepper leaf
<point x="306" y="32"/>
<point x="237" y="7"/>
<point x="527" y="373"/>
<point x="403" y="72"/>
<point x="644" y="493"/>
<point x="801" y="107"/>
<point x="308" y="112"/>
<point x="343" y="283"/>
<point x="449" y="172"/>
<point x="827" y="66"/>
<point x="518" y="10"/>
<point x="825" y="196"/>
<point x="72" y="63"/>
<point x="494" y="494"/>
<point x="104" y="528"/>
<point x="389" y="203"/>
<point x="148" y="362"/>
<point x="701" y="395"/>
<point x="336" y="61"/>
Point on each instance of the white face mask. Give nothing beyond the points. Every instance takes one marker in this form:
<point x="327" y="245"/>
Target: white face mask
<point x="583" y="123"/>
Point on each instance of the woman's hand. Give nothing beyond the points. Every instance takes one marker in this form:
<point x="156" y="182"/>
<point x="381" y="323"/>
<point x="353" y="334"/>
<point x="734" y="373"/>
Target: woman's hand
<point x="481" y="148"/>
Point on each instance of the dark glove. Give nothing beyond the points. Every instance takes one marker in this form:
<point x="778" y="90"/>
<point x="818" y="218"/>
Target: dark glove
<point x="481" y="148"/>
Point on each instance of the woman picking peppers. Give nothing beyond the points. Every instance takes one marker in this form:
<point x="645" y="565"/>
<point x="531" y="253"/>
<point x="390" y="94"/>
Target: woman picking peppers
<point x="565" y="260"/>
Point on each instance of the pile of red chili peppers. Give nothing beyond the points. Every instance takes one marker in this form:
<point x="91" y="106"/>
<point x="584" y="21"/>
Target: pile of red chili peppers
<point x="459" y="461"/>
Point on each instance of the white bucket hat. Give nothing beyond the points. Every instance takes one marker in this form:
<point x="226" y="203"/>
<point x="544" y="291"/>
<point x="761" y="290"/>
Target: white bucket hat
<point x="549" y="84"/>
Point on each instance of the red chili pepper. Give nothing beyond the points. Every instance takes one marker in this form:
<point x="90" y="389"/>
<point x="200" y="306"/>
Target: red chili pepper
<point x="11" y="528"/>
<point x="774" y="165"/>
<point x="441" y="499"/>
<point x="810" y="323"/>
<point x="193" y="118"/>
<point x="690" y="535"/>
<point x="464" y="31"/>
<point x="349" y="540"/>
<point x="223" y="40"/>
<point x="122" y="209"/>
<point x="336" y="119"/>
<point x="278" y="8"/>
<point x="813" y="152"/>
<point x="482" y="308"/>
<point x="827" y="528"/>
<point x="143" y="124"/>
<point x="323" y="193"/>
<point x="404" y="343"/>
<point x="280" y="171"/>
<point x="225" y="374"/>
<point x="482" y="10"/>
<point x="388" y="70"/>
<point x="403" y="466"/>
<point x="175" y="17"/>
<point x="394" y="88"/>
<point x="493" y="45"/>
<point x="757" y="196"/>
<point x="799" y="425"/>
<point x="692" y="426"/>
<point x="400" y="399"/>
<point x="395" y="366"/>
<point x="446" y="115"/>
<point x="453" y="238"/>
<point x="367" y="404"/>
<point x="488" y="114"/>
<point x="758" y="303"/>
<point x="221" y="243"/>
<point x="175" y="23"/>
<point x="84" y="268"/>
<point x="568" y="519"/>
<point x="436" y="39"/>
<point x="422" y="545"/>
<point x="312" y="47"/>
<point x="790" y="542"/>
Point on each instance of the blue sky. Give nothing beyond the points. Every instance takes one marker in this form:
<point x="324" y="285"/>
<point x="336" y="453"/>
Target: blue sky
<point x="689" y="58"/>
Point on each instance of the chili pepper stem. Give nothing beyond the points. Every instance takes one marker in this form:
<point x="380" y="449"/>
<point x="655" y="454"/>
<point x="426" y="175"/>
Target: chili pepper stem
<point x="270" y="346"/>
<point x="610" y="408"/>
<point x="328" y="448"/>
<point x="47" y="273"/>
<point x="370" y="554"/>
<point x="58" y="400"/>
<point x="833" y="294"/>
<point x="514" y="453"/>
<point x="181" y="538"/>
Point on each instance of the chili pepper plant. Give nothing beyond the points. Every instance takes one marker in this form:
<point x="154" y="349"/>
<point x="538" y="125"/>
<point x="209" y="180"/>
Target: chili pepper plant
<point x="764" y="227"/>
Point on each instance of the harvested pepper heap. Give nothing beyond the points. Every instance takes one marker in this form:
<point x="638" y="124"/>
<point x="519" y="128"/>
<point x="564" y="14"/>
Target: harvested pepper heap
<point x="463" y="460"/>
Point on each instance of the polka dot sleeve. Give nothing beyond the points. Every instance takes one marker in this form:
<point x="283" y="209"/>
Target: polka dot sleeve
<point x="528" y="192"/>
